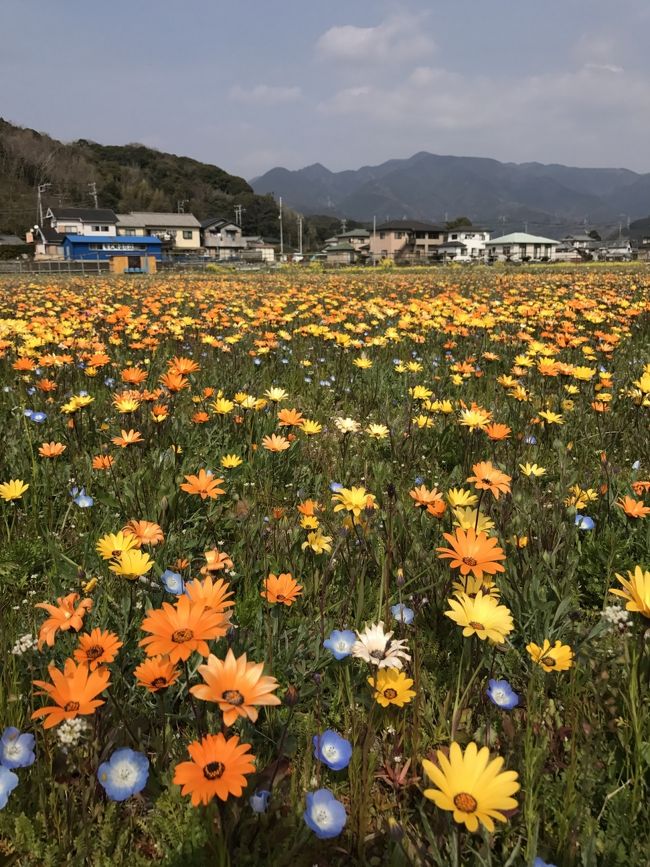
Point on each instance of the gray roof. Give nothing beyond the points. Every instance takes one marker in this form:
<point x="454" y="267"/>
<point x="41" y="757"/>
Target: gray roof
<point x="409" y="225"/>
<point x="10" y="240"/>
<point x="354" y="233"/>
<point x="164" y="220"/>
<point x="339" y="248"/>
<point x="86" y="215"/>
<point x="520" y="238"/>
<point x="217" y="221"/>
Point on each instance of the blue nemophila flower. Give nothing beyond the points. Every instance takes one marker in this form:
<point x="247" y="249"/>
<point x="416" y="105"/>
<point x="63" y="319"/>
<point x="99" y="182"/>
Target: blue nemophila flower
<point x="109" y="382"/>
<point x="38" y="417"/>
<point x="335" y="487"/>
<point x="530" y="440"/>
<point x="81" y="498"/>
<point x="502" y="694"/>
<point x="16" y="750"/>
<point x="31" y="391"/>
<point x="259" y="801"/>
<point x="8" y="782"/>
<point x="402" y="613"/>
<point x="340" y="643"/>
<point x="28" y="413"/>
<point x="324" y="815"/>
<point x="172" y="582"/>
<point x="418" y="481"/>
<point x="332" y="750"/>
<point x="584" y="522"/>
<point x="539" y="863"/>
<point x="124" y="774"/>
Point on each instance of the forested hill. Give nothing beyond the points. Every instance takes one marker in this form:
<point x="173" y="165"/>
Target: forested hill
<point x="128" y="177"/>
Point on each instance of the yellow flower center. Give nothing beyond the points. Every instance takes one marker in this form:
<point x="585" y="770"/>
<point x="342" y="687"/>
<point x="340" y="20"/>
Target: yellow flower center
<point x="233" y="696"/>
<point x="390" y="693"/>
<point x="213" y="770"/>
<point x="182" y="635"/>
<point x="465" y="803"/>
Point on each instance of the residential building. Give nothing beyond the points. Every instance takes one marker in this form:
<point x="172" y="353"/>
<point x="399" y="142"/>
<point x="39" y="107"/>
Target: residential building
<point x="568" y="253"/>
<point x="582" y="241"/>
<point x="340" y="254"/>
<point x="82" y="221"/>
<point x="643" y="251"/>
<point x="180" y="233"/>
<point x="257" y="249"/>
<point x="358" y="238"/>
<point x="521" y="247"/>
<point x="616" y="251"/>
<point x="221" y="238"/>
<point x="48" y="243"/>
<point x="94" y="247"/>
<point x="130" y="224"/>
<point x="464" y="244"/>
<point x="405" y="240"/>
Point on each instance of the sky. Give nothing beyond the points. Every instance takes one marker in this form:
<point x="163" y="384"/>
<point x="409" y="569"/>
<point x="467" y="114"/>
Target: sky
<point x="249" y="86"/>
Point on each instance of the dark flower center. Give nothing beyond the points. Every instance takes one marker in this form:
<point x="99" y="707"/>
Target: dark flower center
<point x="233" y="696"/>
<point x="377" y="654"/>
<point x="547" y="660"/>
<point x="182" y="635"/>
<point x="213" y="770"/>
<point x="487" y="481"/>
<point x="476" y="625"/>
<point x="94" y="652"/>
<point x="71" y="706"/>
<point x="390" y="693"/>
<point x="159" y="682"/>
<point x="465" y="803"/>
<point x="280" y="597"/>
<point x="469" y="561"/>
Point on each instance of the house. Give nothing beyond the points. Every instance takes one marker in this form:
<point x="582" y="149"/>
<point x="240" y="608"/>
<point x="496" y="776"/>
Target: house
<point x="82" y="221"/>
<point x="10" y="241"/>
<point x="582" y="242"/>
<point x="340" y="254"/>
<point x="455" y="251"/>
<point x="221" y="238"/>
<point x="358" y="238"/>
<point x="48" y="243"/>
<point x="405" y="240"/>
<point x="472" y="238"/>
<point x="643" y="251"/>
<point x="521" y="247"/>
<point x="134" y="248"/>
<point x="616" y="251"/>
<point x="568" y="253"/>
<point x="178" y="232"/>
<point x="257" y="249"/>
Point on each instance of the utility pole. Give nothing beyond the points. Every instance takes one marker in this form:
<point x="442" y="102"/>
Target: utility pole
<point x="281" y="232"/>
<point x="374" y="238"/>
<point x="180" y="205"/>
<point x="239" y="210"/>
<point x="300" y="234"/>
<point x="92" y="186"/>
<point x="41" y="188"/>
<point x="344" y="225"/>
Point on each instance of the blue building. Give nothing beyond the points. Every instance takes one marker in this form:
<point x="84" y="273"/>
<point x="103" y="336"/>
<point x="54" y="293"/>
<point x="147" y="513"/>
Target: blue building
<point x="105" y="247"/>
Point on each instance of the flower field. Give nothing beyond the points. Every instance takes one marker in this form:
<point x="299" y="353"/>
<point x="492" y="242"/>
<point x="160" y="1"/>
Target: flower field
<point x="326" y="569"/>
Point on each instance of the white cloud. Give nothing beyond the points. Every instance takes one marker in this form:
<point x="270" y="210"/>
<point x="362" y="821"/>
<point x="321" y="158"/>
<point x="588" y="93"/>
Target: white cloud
<point x="580" y="116"/>
<point x="398" y="38"/>
<point x="265" y="94"/>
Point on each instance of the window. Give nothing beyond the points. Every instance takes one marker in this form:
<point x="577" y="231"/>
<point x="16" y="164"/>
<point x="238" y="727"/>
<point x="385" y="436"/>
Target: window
<point x="506" y="251"/>
<point x="187" y="234"/>
<point x="398" y="236"/>
<point x="382" y="235"/>
<point x="454" y="237"/>
<point x="69" y="230"/>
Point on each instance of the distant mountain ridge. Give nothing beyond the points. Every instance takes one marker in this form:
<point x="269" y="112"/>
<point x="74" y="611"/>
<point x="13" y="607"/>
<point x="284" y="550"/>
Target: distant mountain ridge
<point x="501" y="195"/>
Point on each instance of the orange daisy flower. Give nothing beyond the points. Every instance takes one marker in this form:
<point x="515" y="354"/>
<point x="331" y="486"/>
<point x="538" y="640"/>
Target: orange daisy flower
<point x="179" y="630"/>
<point x="74" y="691"/>
<point x="437" y="509"/>
<point x="633" y="508"/>
<point x="134" y="375"/>
<point x="497" y="431"/>
<point x="236" y="685"/>
<point x="128" y="438"/>
<point x="215" y="561"/>
<point x="183" y="366"/>
<point x="174" y="382"/>
<point x="640" y="487"/>
<point x="275" y="443"/>
<point x="65" y="615"/>
<point x="157" y="673"/>
<point x="488" y="478"/>
<point x="212" y="594"/>
<point x="290" y="418"/>
<point x="200" y="417"/>
<point x="97" y="648"/>
<point x="218" y="768"/>
<point x="281" y="588"/>
<point x="103" y="462"/>
<point x="205" y="485"/>
<point x="309" y="508"/>
<point x="472" y="552"/>
<point x="146" y="532"/>
<point x="423" y="497"/>
<point x="51" y="450"/>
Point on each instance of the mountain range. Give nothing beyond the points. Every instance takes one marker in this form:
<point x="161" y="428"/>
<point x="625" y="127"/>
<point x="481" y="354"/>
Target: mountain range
<point x="502" y="196"/>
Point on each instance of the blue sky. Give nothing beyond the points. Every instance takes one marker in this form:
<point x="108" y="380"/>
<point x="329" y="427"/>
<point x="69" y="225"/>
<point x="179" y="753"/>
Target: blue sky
<point x="252" y="85"/>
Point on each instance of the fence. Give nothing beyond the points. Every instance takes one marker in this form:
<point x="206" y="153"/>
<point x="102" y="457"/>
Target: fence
<point x="55" y="266"/>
